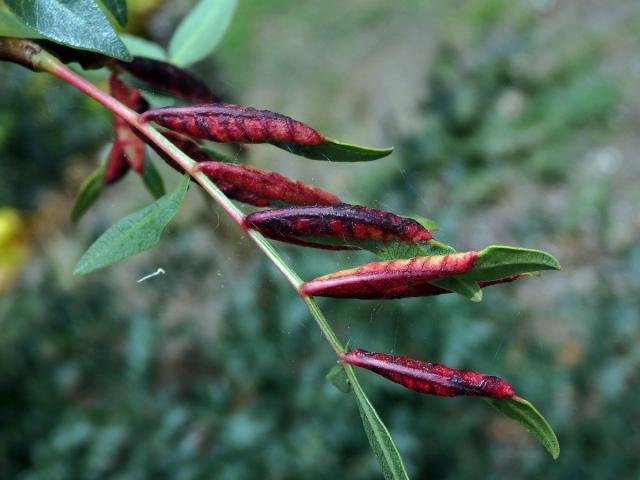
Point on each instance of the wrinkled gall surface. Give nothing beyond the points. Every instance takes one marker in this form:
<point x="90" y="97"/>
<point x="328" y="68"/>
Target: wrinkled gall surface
<point x="390" y="279"/>
<point x="168" y="78"/>
<point x="430" y="378"/>
<point x="268" y="185"/>
<point x="226" y="122"/>
<point x="341" y="221"/>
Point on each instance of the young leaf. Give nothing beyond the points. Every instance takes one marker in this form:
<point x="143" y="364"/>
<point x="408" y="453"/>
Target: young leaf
<point x="89" y="192"/>
<point x="379" y="437"/>
<point x="338" y="378"/>
<point x="152" y="179"/>
<point x="466" y="288"/>
<point x="141" y="47"/>
<point x="76" y="23"/>
<point x="133" y="234"/>
<point x="530" y="419"/>
<point x="497" y="262"/>
<point x="427" y="223"/>
<point x="117" y="8"/>
<point x="335" y="151"/>
<point x="200" y="31"/>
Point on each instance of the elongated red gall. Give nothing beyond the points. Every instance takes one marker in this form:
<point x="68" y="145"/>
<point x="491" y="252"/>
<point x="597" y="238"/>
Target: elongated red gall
<point x="390" y="279"/>
<point x="268" y="185"/>
<point x="226" y="122"/>
<point x="430" y="378"/>
<point x="244" y="183"/>
<point x="128" y="149"/>
<point x="168" y="78"/>
<point x="339" y="221"/>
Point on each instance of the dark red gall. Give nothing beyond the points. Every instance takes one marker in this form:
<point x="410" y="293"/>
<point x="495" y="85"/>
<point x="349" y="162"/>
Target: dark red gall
<point x="167" y="78"/>
<point x="336" y="221"/>
<point x="226" y="122"/>
<point x="268" y="185"/>
<point x="430" y="378"/>
<point x="128" y="149"/>
<point x="245" y="183"/>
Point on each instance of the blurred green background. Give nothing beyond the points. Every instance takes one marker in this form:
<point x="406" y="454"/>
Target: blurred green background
<point x="514" y="123"/>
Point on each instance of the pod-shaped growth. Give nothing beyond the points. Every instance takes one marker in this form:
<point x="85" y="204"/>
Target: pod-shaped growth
<point x="390" y="279"/>
<point x="430" y="378"/>
<point x="167" y="78"/>
<point x="128" y="148"/>
<point x="244" y="183"/>
<point x="333" y="224"/>
<point x="226" y="122"/>
<point x="268" y="185"/>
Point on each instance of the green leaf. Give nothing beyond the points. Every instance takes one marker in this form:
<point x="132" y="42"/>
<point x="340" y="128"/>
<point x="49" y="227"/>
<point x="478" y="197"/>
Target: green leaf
<point x="379" y="437"/>
<point x="152" y="179"/>
<point x="530" y="419"/>
<point x="10" y="26"/>
<point x="426" y="223"/>
<point x="497" y="262"/>
<point x="466" y="288"/>
<point x="89" y="192"/>
<point x="117" y="8"/>
<point x="133" y="234"/>
<point x="141" y="47"/>
<point x="334" y="151"/>
<point x="76" y="23"/>
<point x="200" y="31"/>
<point x="338" y="378"/>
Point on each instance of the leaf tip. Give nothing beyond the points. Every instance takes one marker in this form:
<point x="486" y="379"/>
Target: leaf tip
<point x="476" y="297"/>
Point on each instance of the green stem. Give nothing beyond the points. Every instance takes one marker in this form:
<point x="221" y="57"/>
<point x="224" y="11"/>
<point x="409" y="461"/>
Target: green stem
<point x="46" y="62"/>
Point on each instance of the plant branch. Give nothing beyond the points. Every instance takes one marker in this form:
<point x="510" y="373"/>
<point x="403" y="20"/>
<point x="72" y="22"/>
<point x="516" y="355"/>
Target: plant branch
<point x="46" y="62"/>
<point x="32" y="56"/>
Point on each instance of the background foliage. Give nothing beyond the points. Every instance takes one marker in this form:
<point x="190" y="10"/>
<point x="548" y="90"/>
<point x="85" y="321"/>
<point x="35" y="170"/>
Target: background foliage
<point x="516" y="123"/>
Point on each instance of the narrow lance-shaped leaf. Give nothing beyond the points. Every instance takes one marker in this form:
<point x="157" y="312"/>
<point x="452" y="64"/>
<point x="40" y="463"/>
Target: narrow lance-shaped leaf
<point x="530" y="419"/>
<point x="339" y="226"/>
<point x="337" y="376"/>
<point x="77" y="23"/>
<point x="225" y="122"/>
<point x="89" y="192"/>
<point x="201" y="31"/>
<point x="143" y="47"/>
<point x="383" y="446"/>
<point x="133" y="234"/>
<point x="332" y="150"/>
<point x="391" y="279"/>
<point x="167" y="78"/>
<point x="152" y="180"/>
